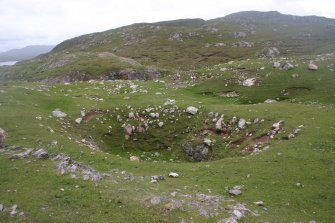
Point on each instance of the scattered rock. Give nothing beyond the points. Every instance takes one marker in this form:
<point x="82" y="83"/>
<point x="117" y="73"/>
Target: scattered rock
<point x="128" y="130"/>
<point x="131" y="115"/>
<point x="79" y="120"/>
<point x="241" y="123"/>
<point x="173" y="204"/>
<point x="276" y="65"/>
<point x="237" y="214"/>
<point x="295" y="75"/>
<point x="22" y="155"/>
<point x="155" y="179"/>
<point x="271" y="52"/>
<point x="67" y="165"/>
<point x="160" y="124"/>
<point x="155" y="200"/>
<point x="173" y="175"/>
<point x="1" y="207"/>
<point x="41" y="153"/>
<point x="219" y="124"/>
<point x="229" y="94"/>
<point x="13" y="210"/>
<point x="59" y="114"/>
<point x="191" y="110"/>
<point x="312" y="67"/>
<point x="237" y="190"/>
<point x="154" y="115"/>
<point x="259" y="203"/>
<point x="170" y="102"/>
<point x="208" y="142"/>
<point x="199" y="153"/>
<point x="269" y="101"/>
<point x="140" y="129"/>
<point x="286" y="66"/>
<point x="249" y="82"/>
<point x="239" y="35"/>
<point x="134" y="158"/>
<point x="228" y="220"/>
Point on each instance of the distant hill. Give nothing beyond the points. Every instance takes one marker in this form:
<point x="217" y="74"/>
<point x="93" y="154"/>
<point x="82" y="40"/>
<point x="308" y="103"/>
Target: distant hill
<point x="25" y="53"/>
<point x="142" y="49"/>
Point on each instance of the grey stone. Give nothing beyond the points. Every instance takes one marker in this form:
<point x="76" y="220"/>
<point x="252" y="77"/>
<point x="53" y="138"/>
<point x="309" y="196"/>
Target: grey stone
<point x="271" y="52"/>
<point x="237" y="214"/>
<point x="312" y="67"/>
<point x="155" y="200"/>
<point x="41" y="153"/>
<point x="208" y="142"/>
<point x="269" y="101"/>
<point x="128" y="130"/>
<point x="1" y="207"/>
<point x="13" y="210"/>
<point x="59" y="114"/>
<point x="191" y="110"/>
<point x="199" y="153"/>
<point x="276" y="65"/>
<point x="22" y="155"/>
<point x="219" y="124"/>
<point x="241" y="123"/>
<point x="235" y="192"/>
<point x="287" y="66"/>
<point x="249" y="82"/>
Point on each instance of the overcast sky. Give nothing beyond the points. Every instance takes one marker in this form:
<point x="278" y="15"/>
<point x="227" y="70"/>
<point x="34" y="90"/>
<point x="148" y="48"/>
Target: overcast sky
<point x="31" y="22"/>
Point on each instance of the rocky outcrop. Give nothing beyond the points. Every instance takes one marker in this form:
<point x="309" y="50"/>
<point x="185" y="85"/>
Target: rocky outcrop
<point x="197" y="153"/>
<point x="72" y="76"/>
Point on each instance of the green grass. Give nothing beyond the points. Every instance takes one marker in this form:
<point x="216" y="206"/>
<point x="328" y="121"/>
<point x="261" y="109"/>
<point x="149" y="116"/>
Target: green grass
<point x="307" y="159"/>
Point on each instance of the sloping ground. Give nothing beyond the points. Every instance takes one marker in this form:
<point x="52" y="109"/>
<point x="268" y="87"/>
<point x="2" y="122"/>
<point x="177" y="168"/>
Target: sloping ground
<point x="86" y="178"/>
<point x="180" y="45"/>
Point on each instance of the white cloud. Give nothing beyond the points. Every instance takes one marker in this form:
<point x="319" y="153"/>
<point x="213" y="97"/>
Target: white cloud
<point x="27" y="22"/>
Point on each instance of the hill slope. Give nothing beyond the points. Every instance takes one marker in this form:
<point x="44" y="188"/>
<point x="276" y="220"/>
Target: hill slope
<point x="180" y="45"/>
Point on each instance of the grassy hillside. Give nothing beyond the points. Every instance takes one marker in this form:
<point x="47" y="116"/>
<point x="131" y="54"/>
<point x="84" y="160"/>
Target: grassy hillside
<point x="182" y="45"/>
<point x="294" y="178"/>
<point x="101" y="128"/>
